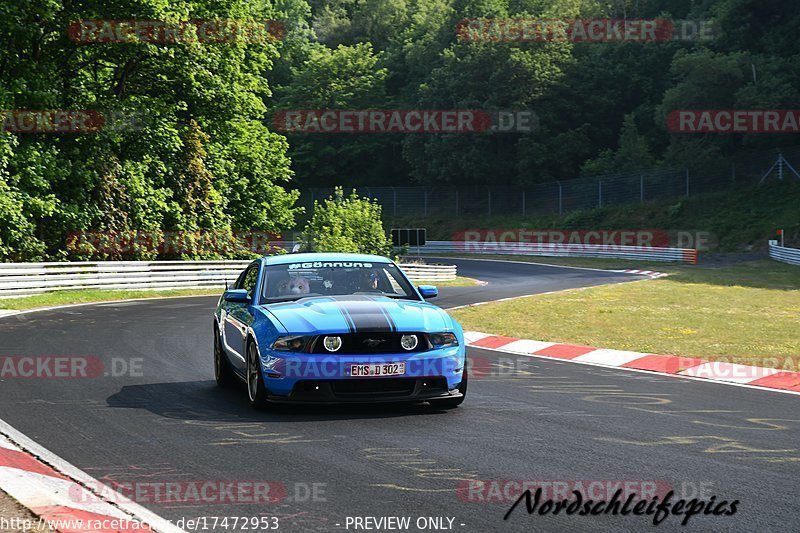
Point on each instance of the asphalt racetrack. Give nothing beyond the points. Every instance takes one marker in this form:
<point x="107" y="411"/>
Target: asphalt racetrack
<point x="161" y="419"/>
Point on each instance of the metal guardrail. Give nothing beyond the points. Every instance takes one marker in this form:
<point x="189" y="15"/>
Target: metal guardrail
<point x="21" y="279"/>
<point x="639" y="253"/>
<point x="784" y="254"/>
<point x="614" y="251"/>
<point x="424" y="272"/>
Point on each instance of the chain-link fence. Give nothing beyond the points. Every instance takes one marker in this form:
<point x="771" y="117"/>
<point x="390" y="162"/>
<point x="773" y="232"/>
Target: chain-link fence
<point x="571" y="195"/>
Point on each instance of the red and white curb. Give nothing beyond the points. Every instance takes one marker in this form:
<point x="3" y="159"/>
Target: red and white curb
<point x="690" y="367"/>
<point x="57" y="492"/>
<point x="650" y="273"/>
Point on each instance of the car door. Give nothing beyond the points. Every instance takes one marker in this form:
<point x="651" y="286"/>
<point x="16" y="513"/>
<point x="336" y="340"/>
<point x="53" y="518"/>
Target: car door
<point x="239" y="317"/>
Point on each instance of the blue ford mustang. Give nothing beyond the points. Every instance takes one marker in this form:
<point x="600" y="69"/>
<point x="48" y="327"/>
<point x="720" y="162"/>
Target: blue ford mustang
<point x="337" y="328"/>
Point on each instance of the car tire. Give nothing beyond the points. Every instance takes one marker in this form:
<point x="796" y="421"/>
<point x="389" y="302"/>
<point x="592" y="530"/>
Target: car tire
<point x="223" y="372"/>
<point x="256" y="390"/>
<point x="452" y="403"/>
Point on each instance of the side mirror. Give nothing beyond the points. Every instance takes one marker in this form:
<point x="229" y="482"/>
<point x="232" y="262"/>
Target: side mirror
<point x="236" y="295"/>
<point x="428" y="291"/>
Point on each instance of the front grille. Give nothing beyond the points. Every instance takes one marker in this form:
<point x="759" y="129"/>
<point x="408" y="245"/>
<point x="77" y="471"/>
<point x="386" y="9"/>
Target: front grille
<point x="345" y="389"/>
<point x="371" y="343"/>
<point x="388" y="386"/>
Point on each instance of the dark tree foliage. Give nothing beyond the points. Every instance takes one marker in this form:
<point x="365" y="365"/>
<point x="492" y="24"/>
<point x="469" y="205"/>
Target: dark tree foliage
<point x="189" y="145"/>
<point x="182" y="145"/>
<point x="602" y="107"/>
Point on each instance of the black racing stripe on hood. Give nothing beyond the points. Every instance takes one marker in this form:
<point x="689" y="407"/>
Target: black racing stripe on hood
<point x="388" y="316"/>
<point x="347" y="318"/>
<point x="365" y="315"/>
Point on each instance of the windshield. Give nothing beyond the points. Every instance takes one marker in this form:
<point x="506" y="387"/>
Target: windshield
<point x="293" y="281"/>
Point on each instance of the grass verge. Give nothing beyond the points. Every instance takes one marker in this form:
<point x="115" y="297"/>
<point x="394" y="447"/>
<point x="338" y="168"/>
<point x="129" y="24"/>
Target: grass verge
<point x="745" y="313"/>
<point x="460" y="281"/>
<point x="51" y="299"/>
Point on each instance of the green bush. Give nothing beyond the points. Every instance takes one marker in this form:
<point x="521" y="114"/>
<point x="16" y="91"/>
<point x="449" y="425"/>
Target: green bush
<point x="346" y="224"/>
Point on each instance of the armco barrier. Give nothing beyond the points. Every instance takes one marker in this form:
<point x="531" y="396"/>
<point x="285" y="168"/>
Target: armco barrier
<point x="637" y="253"/>
<point x="425" y="272"/>
<point x="642" y="253"/>
<point x="784" y="254"/>
<point x="20" y="279"/>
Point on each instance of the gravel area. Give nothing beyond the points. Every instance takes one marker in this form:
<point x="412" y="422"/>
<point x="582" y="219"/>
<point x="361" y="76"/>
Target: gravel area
<point x="14" y="517"/>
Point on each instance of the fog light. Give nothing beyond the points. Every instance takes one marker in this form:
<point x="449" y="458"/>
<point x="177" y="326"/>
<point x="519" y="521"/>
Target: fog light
<point x="332" y="344"/>
<point x="409" y="342"/>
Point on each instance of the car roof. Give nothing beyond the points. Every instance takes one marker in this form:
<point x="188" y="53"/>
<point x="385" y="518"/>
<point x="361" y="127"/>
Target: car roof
<point x="311" y="257"/>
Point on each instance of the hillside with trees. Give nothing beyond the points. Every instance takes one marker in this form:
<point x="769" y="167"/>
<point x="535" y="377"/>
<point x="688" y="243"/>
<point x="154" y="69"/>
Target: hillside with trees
<point x="194" y="147"/>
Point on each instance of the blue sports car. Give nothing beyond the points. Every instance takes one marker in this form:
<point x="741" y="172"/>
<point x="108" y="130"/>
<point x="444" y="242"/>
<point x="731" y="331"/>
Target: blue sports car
<point x="337" y="328"/>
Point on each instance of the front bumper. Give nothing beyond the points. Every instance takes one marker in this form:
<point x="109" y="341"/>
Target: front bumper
<point x="309" y="378"/>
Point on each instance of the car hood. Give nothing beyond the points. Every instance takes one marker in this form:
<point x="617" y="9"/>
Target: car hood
<point x="361" y="314"/>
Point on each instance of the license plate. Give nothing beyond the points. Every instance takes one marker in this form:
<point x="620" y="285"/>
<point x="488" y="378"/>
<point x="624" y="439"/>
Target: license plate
<point x="378" y="370"/>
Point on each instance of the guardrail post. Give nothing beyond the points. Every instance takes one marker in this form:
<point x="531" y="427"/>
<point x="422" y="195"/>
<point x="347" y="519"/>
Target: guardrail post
<point x="599" y="193"/>
<point x="641" y="188"/>
<point x="560" y="197"/>
<point x="687" y="182"/>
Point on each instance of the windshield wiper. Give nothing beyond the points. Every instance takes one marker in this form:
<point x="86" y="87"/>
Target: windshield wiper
<point x="385" y="294"/>
<point x="294" y="298"/>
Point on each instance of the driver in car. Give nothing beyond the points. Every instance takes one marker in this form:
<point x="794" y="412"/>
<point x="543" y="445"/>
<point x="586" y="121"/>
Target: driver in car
<point x="369" y="281"/>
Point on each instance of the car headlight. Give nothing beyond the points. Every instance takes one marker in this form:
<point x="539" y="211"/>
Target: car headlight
<point x="292" y="343"/>
<point x="443" y="340"/>
<point x="409" y="342"/>
<point x="332" y="343"/>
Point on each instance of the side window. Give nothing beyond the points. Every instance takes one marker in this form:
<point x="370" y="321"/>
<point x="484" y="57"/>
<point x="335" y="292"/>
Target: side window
<point x="250" y="278"/>
<point x="238" y="284"/>
<point x="240" y="280"/>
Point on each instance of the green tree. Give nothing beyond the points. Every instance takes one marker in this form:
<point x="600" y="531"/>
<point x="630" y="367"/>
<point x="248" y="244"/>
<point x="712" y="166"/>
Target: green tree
<point x="346" y="224"/>
<point x="132" y="173"/>
<point x="347" y="77"/>
<point x="632" y="153"/>
<point x="196" y="199"/>
<point x="18" y="240"/>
